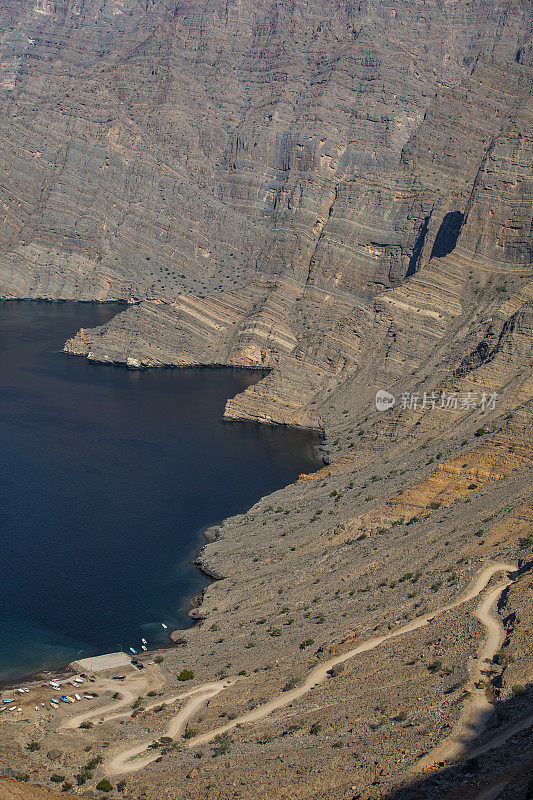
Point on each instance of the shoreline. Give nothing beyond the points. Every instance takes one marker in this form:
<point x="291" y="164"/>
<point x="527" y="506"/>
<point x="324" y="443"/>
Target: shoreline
<point x="210" y="533"/>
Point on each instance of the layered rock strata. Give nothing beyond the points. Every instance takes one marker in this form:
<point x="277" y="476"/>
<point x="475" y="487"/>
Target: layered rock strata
<point x="341" y="195"/>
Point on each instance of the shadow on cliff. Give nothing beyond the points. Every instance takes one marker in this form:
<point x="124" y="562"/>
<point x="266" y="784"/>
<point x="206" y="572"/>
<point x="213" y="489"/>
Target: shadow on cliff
<point x="504" y="772"/>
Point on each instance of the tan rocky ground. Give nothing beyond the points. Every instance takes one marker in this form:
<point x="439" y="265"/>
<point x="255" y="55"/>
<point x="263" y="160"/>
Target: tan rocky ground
<point x="343" y="196"/>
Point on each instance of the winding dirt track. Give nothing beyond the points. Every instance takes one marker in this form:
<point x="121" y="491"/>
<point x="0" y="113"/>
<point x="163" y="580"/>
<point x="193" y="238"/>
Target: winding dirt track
<point x="128" y="760"/>
<point x="478" y="709"/>
<point x="124" y="761"/>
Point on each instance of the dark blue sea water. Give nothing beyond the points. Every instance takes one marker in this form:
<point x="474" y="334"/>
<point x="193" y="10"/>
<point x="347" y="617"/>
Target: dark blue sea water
<point x="107" y="477"/>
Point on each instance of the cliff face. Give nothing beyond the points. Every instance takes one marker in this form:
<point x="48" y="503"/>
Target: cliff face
<point x="334" y="192"/>
<point x="153" y="149"/>
<point x="340" y="192"/>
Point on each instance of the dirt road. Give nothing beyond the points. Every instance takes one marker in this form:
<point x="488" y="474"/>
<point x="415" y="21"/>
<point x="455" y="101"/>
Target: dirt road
<point x="125" y="760"/>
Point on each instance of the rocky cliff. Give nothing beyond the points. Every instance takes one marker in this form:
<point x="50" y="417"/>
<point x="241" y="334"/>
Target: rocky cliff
<point x="341" y="193"/>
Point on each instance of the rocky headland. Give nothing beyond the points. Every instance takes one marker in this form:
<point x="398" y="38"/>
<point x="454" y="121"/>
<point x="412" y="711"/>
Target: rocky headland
<point x="340" y="194"/>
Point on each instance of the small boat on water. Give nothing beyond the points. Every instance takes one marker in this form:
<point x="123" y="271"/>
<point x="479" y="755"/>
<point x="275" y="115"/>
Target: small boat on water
<point x="132" y="650"/>
<point x="143" y="646"/>
<point x="144" y="641"/>
<point x="164" y="626"/>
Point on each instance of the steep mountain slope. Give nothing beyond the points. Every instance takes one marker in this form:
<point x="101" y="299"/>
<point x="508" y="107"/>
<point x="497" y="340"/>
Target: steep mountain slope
<point x="341" y="192"/>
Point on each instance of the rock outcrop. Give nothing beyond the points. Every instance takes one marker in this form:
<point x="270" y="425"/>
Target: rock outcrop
<point x="340" y="195"/>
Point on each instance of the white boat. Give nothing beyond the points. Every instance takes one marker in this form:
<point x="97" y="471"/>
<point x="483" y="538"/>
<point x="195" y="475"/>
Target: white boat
<point x="164" y="626"/>
<point x="144" y="641"/>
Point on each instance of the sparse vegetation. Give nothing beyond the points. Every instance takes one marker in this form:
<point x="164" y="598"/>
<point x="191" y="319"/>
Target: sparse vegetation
<point x="222" y="744"/>
<point x="503" y="657"/>
<point x="104" y="786"/>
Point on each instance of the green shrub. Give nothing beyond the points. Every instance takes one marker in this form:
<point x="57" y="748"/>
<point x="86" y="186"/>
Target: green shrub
<point x="503" y="657"/>
<point x="291" y="683"/>
<point x="186" y="675"/>
<point x="104" y="786"/>
<point x="222" y="745"/>
<point x="55" y="778"/>
<point x="90" y="765"/>
<point x="315" y="728"/>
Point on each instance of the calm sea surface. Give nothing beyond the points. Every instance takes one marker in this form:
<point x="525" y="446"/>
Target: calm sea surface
<point x="107" y="477"/>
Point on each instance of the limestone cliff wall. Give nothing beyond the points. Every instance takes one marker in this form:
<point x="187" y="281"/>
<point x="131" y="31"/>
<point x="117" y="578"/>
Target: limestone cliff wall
<point x="340" y="192"/>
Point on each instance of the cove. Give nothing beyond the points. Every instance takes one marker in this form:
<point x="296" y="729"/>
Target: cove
<point x="107" y="478"/>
